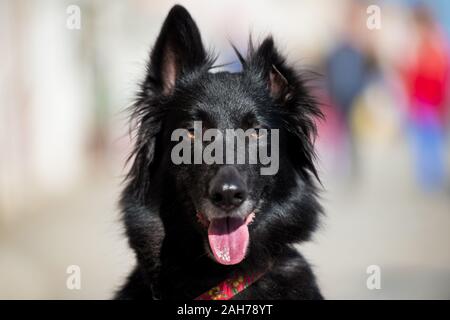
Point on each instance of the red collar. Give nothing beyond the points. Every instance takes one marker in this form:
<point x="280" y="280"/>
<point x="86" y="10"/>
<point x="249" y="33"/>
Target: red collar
<point x="230" y="287"/>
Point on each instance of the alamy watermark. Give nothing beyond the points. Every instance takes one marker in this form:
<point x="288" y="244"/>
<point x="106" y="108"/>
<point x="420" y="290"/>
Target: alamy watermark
<point x="73" y="281"/>
<point x="373" y="281"/>
<point x="229" y="146"/>
<point x="373" y="21"/>
<point x="73" y="21"/>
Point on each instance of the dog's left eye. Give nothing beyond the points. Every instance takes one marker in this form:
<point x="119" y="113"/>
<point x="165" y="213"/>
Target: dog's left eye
<point x="191" y="133"/>
<point x="258" y="133"/>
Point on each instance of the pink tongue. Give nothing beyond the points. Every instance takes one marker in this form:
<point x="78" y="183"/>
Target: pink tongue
<point x="228" y="239"/>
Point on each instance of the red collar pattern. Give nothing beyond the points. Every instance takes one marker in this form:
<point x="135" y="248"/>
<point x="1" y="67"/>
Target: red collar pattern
<point x="230" y="287"/>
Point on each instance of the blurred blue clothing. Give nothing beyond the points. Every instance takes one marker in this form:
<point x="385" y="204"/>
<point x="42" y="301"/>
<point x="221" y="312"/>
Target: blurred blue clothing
<point x="428" y="143"/>
<point x="347" y="75"/>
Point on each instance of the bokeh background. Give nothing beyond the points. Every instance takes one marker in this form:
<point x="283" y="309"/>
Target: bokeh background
<point x="383" y="150"/>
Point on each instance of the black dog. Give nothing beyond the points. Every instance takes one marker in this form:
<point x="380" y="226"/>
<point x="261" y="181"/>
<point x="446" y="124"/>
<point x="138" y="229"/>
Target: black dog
<point x="178" y="215"/>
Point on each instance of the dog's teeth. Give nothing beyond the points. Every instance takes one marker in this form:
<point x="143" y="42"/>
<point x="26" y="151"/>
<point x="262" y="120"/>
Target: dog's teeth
<point x="250" y="218"/>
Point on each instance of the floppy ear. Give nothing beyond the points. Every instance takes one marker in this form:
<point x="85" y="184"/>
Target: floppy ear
<point x="267" y="59"/>
<point x="178" y="50"/>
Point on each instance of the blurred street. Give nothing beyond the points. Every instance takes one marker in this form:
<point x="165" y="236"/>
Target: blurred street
<point x="383" y="219"/>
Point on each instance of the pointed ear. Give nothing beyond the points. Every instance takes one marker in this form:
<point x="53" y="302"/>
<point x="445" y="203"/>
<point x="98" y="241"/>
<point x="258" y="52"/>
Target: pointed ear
<point x="276" y="73"/>
<point x="278" y="85"/>
<point x="178" y="50"/>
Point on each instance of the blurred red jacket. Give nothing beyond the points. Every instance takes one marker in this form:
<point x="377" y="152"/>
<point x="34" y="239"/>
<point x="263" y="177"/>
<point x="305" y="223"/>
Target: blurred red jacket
<point x="427" y="78"/>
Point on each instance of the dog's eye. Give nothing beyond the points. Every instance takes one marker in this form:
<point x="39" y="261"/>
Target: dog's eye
<point x="191" y="133"/>
<point x="258" y="133"/>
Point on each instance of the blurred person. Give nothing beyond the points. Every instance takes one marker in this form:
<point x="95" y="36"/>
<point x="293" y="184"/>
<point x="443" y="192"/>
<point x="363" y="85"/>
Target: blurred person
<point x="425" y="76"/>
<point x="349" y="68"/>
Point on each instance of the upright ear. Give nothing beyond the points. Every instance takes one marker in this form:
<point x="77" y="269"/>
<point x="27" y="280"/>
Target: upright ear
<point x="178" y="50"/>
<point x="278" y="76"/>
<point x="288" y="88"/>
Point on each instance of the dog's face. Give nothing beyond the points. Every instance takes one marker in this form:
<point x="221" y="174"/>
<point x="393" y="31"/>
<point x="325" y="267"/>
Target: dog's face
<point x="230" y="203"/>
<point x="226" y="196"/>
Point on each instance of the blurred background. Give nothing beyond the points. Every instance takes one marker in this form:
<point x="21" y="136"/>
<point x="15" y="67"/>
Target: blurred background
<point x="383" y="150"/>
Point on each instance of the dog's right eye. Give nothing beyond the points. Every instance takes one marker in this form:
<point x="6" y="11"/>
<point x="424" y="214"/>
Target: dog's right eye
<point x="191" y="133"/>
<point x="258" y="133"/>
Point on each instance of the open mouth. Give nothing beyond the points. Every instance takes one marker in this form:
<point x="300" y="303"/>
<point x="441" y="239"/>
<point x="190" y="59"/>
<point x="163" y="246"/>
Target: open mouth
<point x="228" y="237"/>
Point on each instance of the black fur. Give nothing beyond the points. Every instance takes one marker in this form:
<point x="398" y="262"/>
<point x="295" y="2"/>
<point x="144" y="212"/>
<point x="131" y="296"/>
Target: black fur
<point x="161" y="199"/>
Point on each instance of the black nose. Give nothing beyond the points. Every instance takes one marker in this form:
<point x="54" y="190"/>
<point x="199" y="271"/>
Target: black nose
<point x="227" y="190"/>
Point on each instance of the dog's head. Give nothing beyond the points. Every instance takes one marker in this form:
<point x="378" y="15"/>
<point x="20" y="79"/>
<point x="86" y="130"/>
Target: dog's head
<point x="186" y="116"/>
